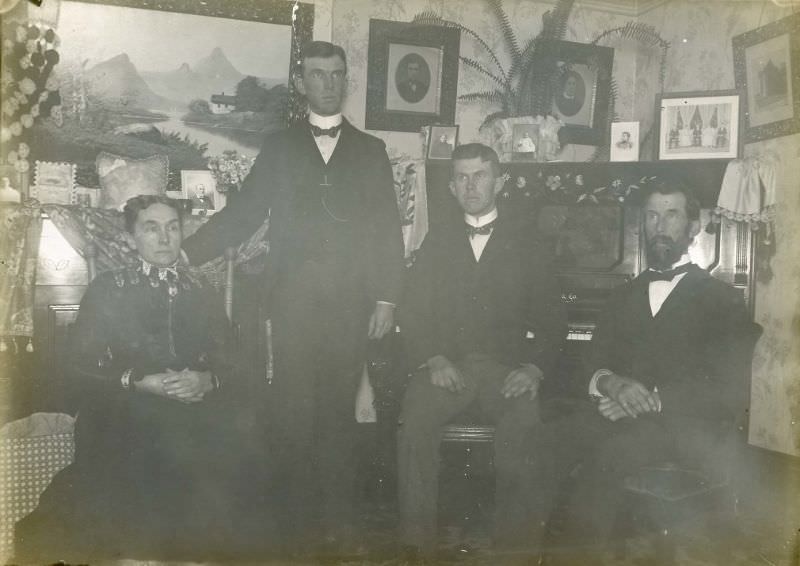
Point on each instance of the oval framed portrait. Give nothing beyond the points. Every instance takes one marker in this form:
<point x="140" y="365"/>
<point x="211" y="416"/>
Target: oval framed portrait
<point x="412" y="78"/>
<point x="571" y="95"/>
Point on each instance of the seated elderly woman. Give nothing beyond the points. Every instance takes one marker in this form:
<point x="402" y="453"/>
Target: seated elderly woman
<point x="154" y="459"/>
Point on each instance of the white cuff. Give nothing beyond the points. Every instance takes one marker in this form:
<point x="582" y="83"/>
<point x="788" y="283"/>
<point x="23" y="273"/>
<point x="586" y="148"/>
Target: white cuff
<point x="593" y="390"/>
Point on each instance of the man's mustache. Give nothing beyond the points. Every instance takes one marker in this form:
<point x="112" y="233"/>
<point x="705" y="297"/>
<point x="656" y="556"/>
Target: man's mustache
<point x="662" y="239"/>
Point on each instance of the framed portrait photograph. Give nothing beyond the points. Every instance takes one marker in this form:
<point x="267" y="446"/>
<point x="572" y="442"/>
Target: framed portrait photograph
<point x="412" y="76"/>
<point x="624" y="142"/>
<point x="767" y="69"/>
<point x="580" y="90"/>
<point x="442" y="142"/>
<point x="525" y="142"/>
<point x="698" y="125"/>
<point x="53" y="183"/>
<point x="200" y="189"/>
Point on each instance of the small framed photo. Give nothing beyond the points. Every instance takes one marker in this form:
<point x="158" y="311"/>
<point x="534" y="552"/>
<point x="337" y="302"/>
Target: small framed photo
<point x="200" y="188"/>
<point x="766" y="64"/>
<point x="624" y="141"/>
<point x="54" y="183"/>
<point x="412" y="76"/>
<point x="86" y="196"/>
<point x="698" y="125"/>
<point x="525" y="142"/>
<point x="442" y="142"/>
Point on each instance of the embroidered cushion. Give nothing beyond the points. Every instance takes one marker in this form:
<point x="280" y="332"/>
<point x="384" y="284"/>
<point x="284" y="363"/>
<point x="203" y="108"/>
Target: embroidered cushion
<point x="122" y="178"/>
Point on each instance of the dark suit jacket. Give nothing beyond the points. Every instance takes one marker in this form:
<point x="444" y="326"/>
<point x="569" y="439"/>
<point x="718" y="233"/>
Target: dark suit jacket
<point x="454" y="305"/>
<point x="284" y="184"/>
<point x="696" y="350"/>
<point x="410" y="94"/>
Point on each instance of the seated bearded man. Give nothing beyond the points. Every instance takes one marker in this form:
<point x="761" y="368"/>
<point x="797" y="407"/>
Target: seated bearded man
<point x="152" y="472"/>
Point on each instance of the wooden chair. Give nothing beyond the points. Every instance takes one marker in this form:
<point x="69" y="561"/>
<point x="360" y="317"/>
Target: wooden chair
<point x="468" y="464"/>
<point x="671" y="490"/>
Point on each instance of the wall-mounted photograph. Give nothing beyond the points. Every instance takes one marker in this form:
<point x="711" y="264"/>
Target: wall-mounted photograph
<point x="698" y="125"/>
<point x="415" y="78"/>
<point x="767" y="69"/>
<point x="134" y="87"/>
<point x="624" y="142"/>
<point x="54" y="183"/>
<point x="412" y="75"/>
<point x="200" y="189"/>
<point x="442" y="141"/>
<point x="580" y="89"/>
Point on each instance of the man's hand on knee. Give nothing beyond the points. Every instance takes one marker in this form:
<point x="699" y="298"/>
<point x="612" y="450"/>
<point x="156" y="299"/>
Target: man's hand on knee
<point x="610" y="409"/>
<point x="444" y="374"/>
<point x="633" y="397"/>
<point x="522" y="380"/>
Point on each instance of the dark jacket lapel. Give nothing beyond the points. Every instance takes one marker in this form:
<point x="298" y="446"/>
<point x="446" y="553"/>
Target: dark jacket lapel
<point x="679" y="298"/>
<point x="344" y="145"/>
<point x="499" y="241"/>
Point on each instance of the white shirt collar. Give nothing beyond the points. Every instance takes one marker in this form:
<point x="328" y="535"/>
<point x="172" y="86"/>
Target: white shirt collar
<point x="324" y="122"/>
<point x="479" y="221"/>
<point x="684" y="259"/>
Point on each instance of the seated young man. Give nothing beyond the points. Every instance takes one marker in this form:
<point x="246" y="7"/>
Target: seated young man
<point x="152" y="476"/>
<point x="479" y="289"/>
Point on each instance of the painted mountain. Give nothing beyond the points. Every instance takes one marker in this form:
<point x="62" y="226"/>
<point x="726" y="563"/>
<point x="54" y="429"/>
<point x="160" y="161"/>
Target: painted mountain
<point x="117" y="82"/>
<point x="214" y="74"/>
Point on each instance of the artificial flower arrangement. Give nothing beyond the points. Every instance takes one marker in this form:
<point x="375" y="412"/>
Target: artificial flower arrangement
<point x="230" y="169"/>
<point x="571" y="188"/>
<point x="28" y="90"/>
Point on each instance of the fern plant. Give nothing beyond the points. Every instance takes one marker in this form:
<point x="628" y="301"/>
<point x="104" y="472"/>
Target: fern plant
<point x="527" y="87"/>
<point x="521" y="89"/>
<point x="509" y="89"/>
<point x="647" y="36"/>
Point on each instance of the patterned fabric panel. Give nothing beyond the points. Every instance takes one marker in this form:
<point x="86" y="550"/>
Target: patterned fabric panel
<point x="27" y="465"/>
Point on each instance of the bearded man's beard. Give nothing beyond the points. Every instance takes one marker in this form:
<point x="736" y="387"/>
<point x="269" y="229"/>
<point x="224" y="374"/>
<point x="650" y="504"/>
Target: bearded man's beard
<point x="663" y="252"/>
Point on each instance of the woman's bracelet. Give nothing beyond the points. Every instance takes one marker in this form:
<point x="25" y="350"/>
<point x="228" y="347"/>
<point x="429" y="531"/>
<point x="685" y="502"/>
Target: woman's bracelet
<point x="126" y="379"/>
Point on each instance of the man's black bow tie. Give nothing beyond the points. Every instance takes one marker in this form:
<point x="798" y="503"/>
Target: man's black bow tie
<point x="484" y="230"/>
<point x="652" y="275"/>
<point x="317" y="131"/>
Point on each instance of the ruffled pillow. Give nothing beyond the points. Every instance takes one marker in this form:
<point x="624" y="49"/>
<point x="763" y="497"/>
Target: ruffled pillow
<point x="122" y="178"/>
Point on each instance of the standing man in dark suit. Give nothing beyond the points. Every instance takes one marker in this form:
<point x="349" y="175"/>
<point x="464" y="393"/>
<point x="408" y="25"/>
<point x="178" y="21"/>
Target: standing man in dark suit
<point x="668" y="368"/>
<point x="333" y="277"/>
<point x="482" y="319"/>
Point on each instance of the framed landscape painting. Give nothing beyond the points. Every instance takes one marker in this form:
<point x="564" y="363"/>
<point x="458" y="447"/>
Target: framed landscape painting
<point x="185" y="79"/>
<point x="767" y="69"/>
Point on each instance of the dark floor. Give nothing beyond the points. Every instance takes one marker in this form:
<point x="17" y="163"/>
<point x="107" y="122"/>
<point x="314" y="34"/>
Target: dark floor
<point x="762" y="529"/>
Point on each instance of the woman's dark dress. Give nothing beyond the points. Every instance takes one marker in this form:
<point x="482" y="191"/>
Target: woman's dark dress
<point x="152" y="477"/>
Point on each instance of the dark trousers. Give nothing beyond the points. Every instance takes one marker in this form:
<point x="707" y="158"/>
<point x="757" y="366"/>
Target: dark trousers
<point x="319" y="333"/>
<point x="607" y="452"/>
<point x="426" y="409"/>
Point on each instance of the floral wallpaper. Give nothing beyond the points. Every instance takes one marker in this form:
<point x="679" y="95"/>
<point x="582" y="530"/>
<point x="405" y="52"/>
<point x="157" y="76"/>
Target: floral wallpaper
<point x="351" y="31"/>
<point x="700" y="58"/>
